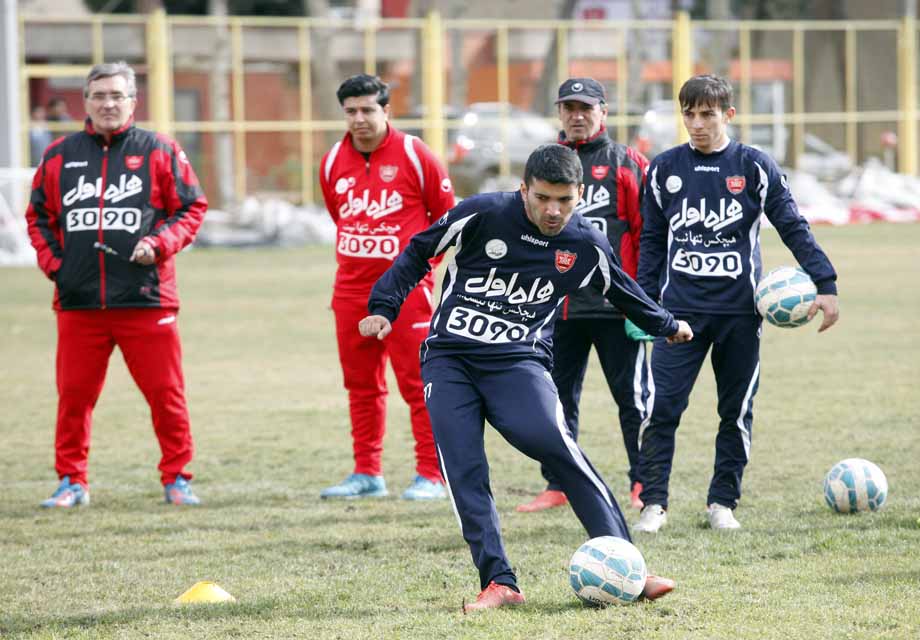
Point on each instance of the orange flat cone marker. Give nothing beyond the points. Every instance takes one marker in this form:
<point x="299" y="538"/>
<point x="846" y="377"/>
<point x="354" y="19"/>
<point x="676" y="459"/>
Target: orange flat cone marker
<point x="204" y="592"/>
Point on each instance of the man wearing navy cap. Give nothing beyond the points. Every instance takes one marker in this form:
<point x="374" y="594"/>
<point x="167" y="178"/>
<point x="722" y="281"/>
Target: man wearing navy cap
<point x="613" y="177"/>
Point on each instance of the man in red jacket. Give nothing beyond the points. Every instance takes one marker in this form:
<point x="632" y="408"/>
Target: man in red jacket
<point x="111" y="205"/>
<point x="381" y="187"/>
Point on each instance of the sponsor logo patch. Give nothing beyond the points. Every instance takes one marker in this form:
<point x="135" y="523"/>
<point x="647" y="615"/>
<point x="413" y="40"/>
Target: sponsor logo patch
<point x="134" y="162"/>
<point x="343" y="184"/>
<point x="496" y="249"/>
<point x="388" y="172"/>
<point x="115" y="191"/>
<point x="599" y="172"/>
<point x="735" y="184"/>
<point x="565" y="260"/>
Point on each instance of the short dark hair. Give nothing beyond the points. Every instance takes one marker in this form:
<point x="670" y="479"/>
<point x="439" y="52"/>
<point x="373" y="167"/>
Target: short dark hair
<point x="553" y="163"/>
<point x="706" y="90"/>
<point x="364" y="85"/>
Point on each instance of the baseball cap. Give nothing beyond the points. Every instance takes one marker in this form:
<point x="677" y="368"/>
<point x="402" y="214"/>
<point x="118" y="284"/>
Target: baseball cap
<point x="587" y="90"/>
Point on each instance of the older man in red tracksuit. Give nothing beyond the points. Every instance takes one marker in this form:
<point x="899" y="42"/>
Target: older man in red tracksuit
<point x="111" y="205"/>
<point x="381" y="187"/>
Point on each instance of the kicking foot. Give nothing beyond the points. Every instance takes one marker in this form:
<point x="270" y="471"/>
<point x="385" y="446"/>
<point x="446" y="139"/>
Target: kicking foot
<point x="495" y="596"/>
<point x="548" y="499"/>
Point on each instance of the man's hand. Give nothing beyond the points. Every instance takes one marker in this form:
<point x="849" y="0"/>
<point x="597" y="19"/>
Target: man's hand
<point x="684" y="333"/>
<point x="143" y="253"/>
<point x="375" y="326"/>
<point x="635" y="333"/>
<point x="827" y="303"/>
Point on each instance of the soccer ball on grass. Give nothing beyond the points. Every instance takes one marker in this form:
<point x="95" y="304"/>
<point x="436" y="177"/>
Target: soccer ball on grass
<point x="607" y="570"/>
<point x="784" y="296"/>
<point x="854" y="485"/>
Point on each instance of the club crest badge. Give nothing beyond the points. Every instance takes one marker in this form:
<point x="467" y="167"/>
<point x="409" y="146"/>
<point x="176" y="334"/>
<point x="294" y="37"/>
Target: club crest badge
<point x="134" y="162"/>
<point x="496" y="248"/>
<point x="735" y="184"/>
<point x="673" y="184"/>
<point x="388" y="172"/>
<point x="565" y="260"/>
<point x="600" y="171"/>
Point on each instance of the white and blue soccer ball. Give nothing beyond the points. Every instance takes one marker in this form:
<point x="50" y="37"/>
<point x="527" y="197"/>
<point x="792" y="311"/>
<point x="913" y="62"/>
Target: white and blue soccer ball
<point x="855" y="485"/>
<point x="784" y="295"/>
<point x="607" y="570"/>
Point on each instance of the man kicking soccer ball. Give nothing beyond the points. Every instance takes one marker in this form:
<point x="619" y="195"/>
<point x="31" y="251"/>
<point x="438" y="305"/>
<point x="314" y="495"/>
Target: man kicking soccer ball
<point x="488" y="352"/>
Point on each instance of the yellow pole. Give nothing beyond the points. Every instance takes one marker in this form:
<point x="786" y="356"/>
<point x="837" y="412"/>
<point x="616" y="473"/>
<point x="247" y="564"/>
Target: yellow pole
<point x="907" y="96"/>
<point x="681" y="66"/>
<point x="239" y="101"/>
<point x="98" y="53"/>
<point x="622" y="90"/>
<point x="850" y="94"/>
<point x="159" y="75"/>
<point x="433" y="85"/>
<point x="370" y="49"/>
<point x="562" y="54"/>
<point x="798" y="93"/>
<point x="747" y="105"/>
<point x="504" y="97"/>
<point x="306" y="115"/>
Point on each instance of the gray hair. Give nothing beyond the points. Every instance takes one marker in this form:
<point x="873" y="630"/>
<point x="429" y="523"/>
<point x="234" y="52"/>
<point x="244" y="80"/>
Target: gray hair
<point x="108" y="70"/>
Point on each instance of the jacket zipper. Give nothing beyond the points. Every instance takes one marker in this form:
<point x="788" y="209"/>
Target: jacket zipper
<point x="105" y="163"/>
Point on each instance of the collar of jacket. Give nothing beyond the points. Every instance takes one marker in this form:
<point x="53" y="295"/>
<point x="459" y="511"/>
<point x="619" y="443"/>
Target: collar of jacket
<point x="116" y="136"/>
<point x="383" y="143"/>
<point x="595" y="141"/>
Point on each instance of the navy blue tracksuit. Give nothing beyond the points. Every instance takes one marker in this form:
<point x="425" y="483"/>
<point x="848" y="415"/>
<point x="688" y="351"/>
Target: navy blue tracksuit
<point x="625" y="367"/>
<point x="489" y="352"/>
<point x="700" y="256"/>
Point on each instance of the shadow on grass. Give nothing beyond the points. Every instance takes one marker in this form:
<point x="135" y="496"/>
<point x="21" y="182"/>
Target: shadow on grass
<point x="262" y="609"/>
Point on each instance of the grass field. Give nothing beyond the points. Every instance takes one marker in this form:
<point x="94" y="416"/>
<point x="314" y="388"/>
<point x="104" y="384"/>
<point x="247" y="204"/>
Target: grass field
<point x="270" y="422"/>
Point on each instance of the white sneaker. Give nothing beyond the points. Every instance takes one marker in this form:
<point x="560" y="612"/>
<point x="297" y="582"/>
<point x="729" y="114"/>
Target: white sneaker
<point x="651" y="518"/>
<point x="721" y="517"/>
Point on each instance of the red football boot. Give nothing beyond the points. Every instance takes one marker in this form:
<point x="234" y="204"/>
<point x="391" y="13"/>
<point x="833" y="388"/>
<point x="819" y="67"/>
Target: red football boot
<point x="656" y="587"/>
<point x="634" y="498"/>
<point x="494" y="596"/>
<point x="548" y="499"/>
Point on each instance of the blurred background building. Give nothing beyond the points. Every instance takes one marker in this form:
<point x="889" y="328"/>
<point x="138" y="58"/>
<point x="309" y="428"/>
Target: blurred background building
<point x="248" y="86"/>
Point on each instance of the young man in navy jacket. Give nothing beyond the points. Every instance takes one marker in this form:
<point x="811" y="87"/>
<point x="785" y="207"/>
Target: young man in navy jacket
<point x="700" y="257"/>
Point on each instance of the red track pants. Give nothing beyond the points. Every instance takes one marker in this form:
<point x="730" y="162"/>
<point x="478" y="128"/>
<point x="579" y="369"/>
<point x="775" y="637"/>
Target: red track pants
<point x="363" y="367"/>
<point x="149" y="342"/>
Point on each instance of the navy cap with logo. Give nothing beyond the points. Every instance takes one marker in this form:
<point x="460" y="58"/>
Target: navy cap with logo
<point x="587" y="90"/>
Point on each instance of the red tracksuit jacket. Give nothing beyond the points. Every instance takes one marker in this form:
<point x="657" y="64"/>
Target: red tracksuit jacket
<point x="139" y="184"/>
<point x="379" y="203"/>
